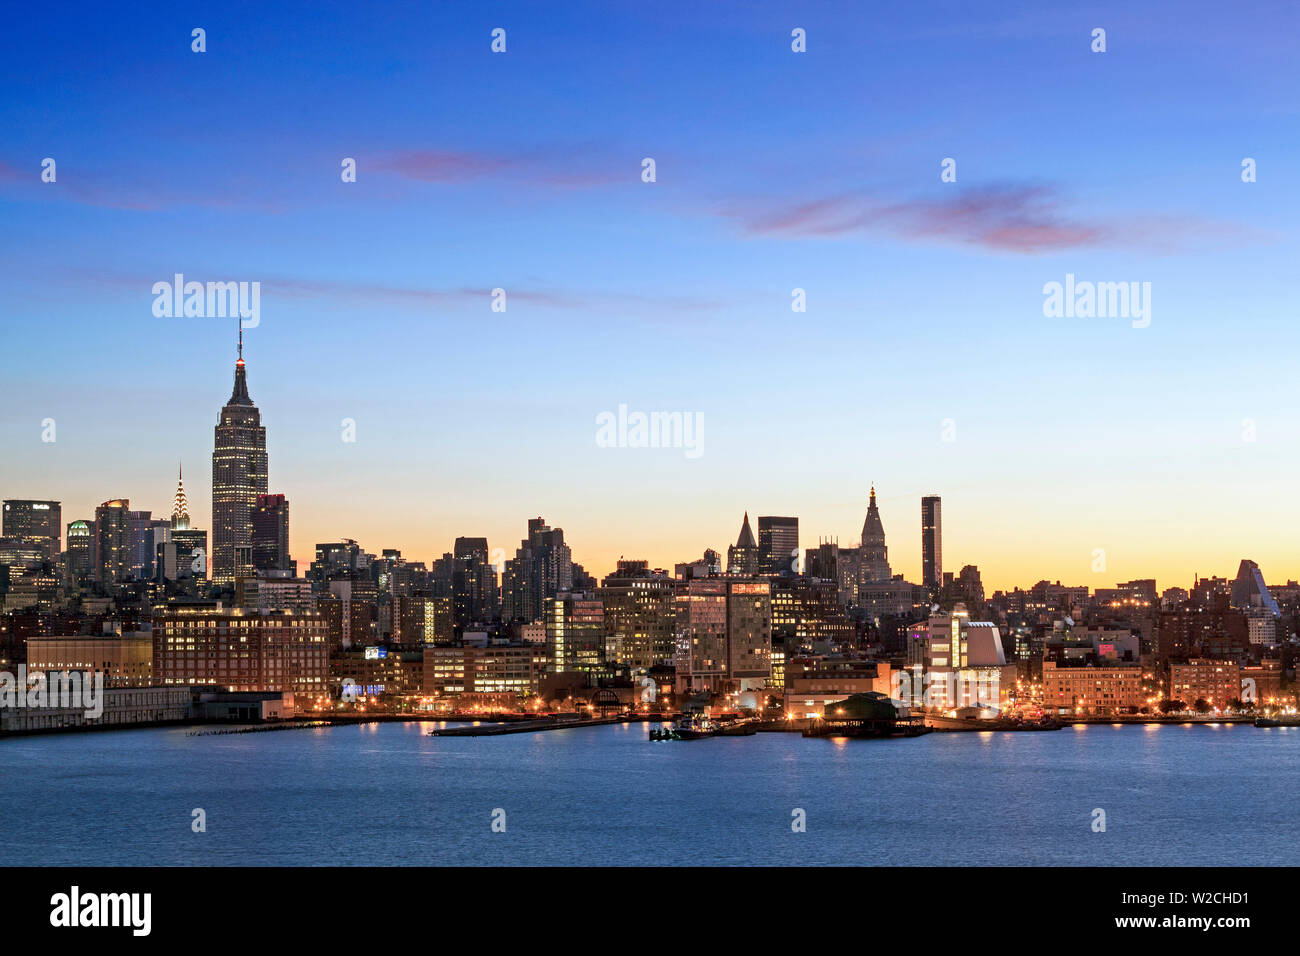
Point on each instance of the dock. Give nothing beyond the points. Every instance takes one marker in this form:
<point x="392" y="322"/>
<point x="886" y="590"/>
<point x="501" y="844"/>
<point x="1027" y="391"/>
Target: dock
<point x="538" y="725"/>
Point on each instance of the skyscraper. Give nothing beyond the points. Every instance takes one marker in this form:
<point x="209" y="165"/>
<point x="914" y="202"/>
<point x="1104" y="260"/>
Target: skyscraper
<point x="473" y="582"/>
<point x="932" y="543"/>
<point x="271" y="533"/>
<point x="239" y="475"/>
<point x="36" y="523"/>
<point x="184" y="554"/>
<point x="874" y="557"/>
<point x="79" y="559"/>
<point x="113" y="541"/>
<point x="541" y="568"/>
<point x="778" y="545"/>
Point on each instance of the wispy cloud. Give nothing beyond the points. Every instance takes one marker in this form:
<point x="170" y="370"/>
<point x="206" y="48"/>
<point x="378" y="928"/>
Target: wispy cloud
<point x="575" y="167"/>
<point x="1008" y="218"/>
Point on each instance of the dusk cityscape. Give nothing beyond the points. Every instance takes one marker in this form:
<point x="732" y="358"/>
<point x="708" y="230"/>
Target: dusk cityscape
<point x="587" y="435"/>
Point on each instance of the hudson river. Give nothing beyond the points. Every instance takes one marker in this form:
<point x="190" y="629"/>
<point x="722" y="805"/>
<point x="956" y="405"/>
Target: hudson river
<point x="386" y="794"/>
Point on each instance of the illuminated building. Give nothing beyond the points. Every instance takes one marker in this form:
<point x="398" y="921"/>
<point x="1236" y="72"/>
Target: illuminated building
<point x="724" y="634"/>
<point x="575" y="632"/>
<point x="742" y="557"/>
<point x="35" y="523"/>
<point x="79" y="556"/>
<point x="125" y="660"/>
<point x="1092" y="689"/>
<point x="640" y="611"/>
<point x="241" y="650"/>
<point x="113" y="541"/>
<point x="778" y="544"/>
<point x="497" y="670"/>
<point x="541" y="568"/>
<point x="239" y="475"/>
<point x="956" y="662"/>
<point x="873" y="560"/>
<point x="1215" y="682"/>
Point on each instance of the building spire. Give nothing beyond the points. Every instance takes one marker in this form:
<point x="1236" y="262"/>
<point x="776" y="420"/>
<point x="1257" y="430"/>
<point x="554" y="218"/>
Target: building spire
<point x="240" y="394"/>
<point x="180" y="504"/>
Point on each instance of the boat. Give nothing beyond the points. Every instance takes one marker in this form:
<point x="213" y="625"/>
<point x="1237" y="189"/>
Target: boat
<point x="696" y="727"/>
<point x="1289" y="720"/>
<point x="866" y="716"/>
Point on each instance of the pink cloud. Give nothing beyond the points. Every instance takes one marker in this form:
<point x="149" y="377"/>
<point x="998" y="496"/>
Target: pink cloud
<point x="1020" y="219"/>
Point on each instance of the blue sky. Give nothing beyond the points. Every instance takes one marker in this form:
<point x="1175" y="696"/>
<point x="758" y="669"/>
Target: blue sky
<point x="775" y="170"/>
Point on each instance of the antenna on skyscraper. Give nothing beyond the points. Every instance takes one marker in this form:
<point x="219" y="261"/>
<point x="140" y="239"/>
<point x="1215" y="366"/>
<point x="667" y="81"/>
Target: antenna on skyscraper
<point x="240" y="320"/>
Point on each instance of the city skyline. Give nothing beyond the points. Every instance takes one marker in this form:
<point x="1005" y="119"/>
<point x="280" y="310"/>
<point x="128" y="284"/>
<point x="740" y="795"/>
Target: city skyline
<point x="924" y="360"/>
<point x="875" y="534"/>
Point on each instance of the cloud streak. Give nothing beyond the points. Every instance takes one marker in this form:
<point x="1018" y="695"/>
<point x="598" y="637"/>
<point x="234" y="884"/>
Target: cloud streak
<point x="1023" y="219"/>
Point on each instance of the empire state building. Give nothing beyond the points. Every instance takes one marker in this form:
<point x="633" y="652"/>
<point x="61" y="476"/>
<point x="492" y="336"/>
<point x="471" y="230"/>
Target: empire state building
<point x="238" y="477"/>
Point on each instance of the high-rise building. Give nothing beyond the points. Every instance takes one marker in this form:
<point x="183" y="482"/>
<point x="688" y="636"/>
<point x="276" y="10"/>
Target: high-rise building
<point x="742" y="557"/>
<point x="79" y="556"/>
<point x="239" y="475"/>
<point x="541" y="568"/>
<point x="271" y="533"/>
<point x="575" y="632"/>
<point x="873" y="561"/>
<point x="778" y="545"/>
<point x="36" y="523"/>
<point x="724" y="628"/>
<point x="113" y="541"/>
<point x="184" y="553"/>
<point x="1250" y="591"/>
<point x="932" y="542"/>
<point x="473" y="582"/>
<point x="639" y="615"/>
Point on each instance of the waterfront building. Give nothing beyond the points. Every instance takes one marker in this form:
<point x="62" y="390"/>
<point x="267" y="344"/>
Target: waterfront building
<point x="125" y="660"/>
<point x="956" y="662"/>
<point x="1217" y="683"/>
<point x="575" y="632"/>
<point x="640" y="614"/>
<point x="724" y="635"/>
<point x="241" y="649"/>
<point x="1092" y="689"/>
<point x="504" y="672"/>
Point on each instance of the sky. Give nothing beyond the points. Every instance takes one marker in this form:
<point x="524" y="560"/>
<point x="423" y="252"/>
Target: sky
<point x="923" y="362"/>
